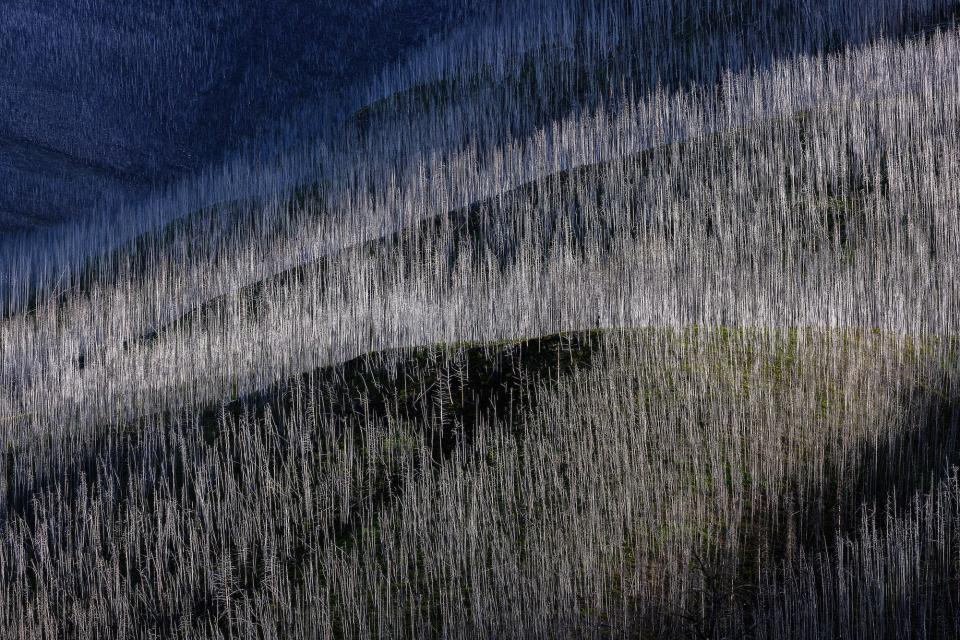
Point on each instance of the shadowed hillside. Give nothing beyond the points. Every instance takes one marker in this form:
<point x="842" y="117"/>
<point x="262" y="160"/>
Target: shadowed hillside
<point x="101" y="102"/>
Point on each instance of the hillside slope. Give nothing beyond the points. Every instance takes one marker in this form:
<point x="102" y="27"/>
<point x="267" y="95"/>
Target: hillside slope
<point x="543" y="336"/>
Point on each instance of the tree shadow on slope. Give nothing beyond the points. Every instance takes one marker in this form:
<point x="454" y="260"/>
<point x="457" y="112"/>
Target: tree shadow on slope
<point x="551" y="83"/>
<point x="888" y="475"/>
<point x="443" y="392"/>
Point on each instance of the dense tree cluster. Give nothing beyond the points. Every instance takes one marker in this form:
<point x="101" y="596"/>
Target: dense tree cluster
<point x="591" y="319"/>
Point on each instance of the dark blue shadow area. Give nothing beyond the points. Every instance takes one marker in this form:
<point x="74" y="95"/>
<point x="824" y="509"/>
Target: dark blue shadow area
<point x="101" y="97"/>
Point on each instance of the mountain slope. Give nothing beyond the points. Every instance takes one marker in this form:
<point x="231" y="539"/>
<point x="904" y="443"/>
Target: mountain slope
<point x="539" y="336"/>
